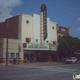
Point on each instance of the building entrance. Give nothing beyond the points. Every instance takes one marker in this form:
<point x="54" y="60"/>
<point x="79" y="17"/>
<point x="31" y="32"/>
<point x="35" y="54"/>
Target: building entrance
<point x="28" y="56"/>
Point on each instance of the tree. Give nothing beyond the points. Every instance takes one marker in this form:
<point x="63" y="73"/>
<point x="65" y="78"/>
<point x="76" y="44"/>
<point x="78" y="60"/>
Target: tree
<point x="67" y="45"/>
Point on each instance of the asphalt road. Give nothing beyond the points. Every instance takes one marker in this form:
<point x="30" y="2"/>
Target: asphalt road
<point x="52" y="72"/>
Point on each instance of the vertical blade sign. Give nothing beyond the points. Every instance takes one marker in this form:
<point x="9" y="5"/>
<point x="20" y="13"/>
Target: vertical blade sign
<point x="44" y="10"/>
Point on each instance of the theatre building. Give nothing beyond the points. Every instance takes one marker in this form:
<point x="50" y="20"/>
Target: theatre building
<point x="31" y="37"/>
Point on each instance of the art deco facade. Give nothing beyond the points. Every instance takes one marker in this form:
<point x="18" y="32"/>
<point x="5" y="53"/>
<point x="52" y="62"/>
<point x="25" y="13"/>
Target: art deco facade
<point x="33" y="34"/>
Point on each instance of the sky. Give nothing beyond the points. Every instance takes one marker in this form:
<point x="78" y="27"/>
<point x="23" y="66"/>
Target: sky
<point x="66" y="13"/>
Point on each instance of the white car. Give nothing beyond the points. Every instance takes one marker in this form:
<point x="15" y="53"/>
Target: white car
<point x="71" y="60"/>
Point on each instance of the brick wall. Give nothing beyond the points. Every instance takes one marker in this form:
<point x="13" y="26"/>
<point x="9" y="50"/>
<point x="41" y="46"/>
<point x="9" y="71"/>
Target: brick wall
<point x="13" y="28"/>
<point x="61" y="30"/>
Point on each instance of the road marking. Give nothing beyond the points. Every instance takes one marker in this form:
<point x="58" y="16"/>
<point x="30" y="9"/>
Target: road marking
<point x="54" y="68"/>
<point x="47" y="68"/>
<point x="60" y="70"/>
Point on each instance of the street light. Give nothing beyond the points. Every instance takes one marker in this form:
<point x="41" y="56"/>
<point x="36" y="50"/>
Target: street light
<point x="7" y="43"/>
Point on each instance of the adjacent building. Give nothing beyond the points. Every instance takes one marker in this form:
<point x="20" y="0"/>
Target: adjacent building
<point x="62" y="31"/>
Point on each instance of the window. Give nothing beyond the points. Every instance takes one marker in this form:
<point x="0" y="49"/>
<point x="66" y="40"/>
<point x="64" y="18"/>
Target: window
<point x="27" y="21"/>
<point x="36" y="40"/>
<point x="47" y="41"/>
<point x="17" y="55"/>
<point x="53" y="27"/>
<point x="12" y="55"/>
<point x="54" y="42"/>
<point x="27" y="40"/>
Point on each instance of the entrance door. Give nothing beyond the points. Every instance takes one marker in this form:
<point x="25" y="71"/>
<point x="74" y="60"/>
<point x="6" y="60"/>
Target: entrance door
<point x="28" y="56"/>
<point x="39" y="57"/>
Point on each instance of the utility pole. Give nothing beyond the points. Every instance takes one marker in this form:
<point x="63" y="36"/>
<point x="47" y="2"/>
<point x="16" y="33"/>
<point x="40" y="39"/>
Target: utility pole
<point x="7" y="43"/>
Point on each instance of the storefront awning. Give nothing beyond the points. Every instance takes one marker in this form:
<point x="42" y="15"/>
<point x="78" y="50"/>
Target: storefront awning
<point x="38" y="49"/>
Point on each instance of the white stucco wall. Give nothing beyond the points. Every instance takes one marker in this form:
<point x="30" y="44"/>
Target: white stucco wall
<point x="36" y="28"/>
<point x="53" y="32"/>
<point x="36" y="19"/>
<point x="26" y="29"/>
<point x="12" y="47"/>
<point x="32" y="30"/>
<point x="48" y="30"/>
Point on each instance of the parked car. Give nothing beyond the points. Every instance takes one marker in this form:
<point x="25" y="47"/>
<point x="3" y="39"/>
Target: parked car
<point x="71" y="60"/>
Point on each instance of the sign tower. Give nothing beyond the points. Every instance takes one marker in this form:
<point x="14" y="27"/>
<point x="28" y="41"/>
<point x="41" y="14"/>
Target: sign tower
<point x="43" y="23"/>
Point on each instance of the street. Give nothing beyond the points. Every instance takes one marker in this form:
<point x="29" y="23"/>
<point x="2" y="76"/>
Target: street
<point x="52" y="72"/>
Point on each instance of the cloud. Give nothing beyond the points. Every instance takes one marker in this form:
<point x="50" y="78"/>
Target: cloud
<point x="78" y="19"/>
<point x="78" y="29"/>
<point x="6" y="7"/>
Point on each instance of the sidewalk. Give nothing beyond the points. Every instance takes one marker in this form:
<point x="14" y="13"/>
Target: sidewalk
<point x="4" y="64"/>
<point x="33" y="64"/>
<point x="40" y="64"/>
